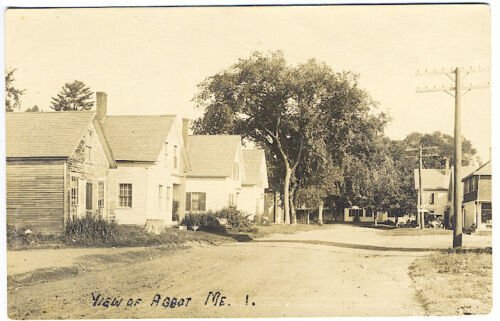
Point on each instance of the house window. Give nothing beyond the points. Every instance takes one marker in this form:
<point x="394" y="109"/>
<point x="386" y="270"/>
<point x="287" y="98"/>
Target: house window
<point x="432" y="198"/>
<point x="125" y="196"/>
<point x="486" y="213"/>
<point x="175" y="156"/>
<point x="100" y="195"/>
<point x="73" y="194"/>
<point x="369" y="212"/>
<point x="196" y="201"/>
<point x="168" y="194"/>
<point x="353" y="212"/>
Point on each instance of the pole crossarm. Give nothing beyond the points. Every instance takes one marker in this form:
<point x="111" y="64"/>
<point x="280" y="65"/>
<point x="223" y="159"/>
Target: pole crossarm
<point x="434" y="89"/>
<point x="447" y="71"/>
<point x="450" y="89"/>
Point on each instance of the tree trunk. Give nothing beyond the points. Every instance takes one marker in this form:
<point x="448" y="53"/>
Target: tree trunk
<point x="307" y="218"/>
<point x="320" y="213"/>
<point x="286" y="193"/>
<point x="293" y="200"/>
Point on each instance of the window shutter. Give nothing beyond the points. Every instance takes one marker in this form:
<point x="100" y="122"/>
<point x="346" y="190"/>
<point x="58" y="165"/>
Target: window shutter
<point x="203" y="201"/>
<point x="188" y="201"/>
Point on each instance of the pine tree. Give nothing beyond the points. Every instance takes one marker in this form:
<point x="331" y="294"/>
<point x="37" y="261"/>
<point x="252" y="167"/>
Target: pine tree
<point x="12" y="94"/>
<point x="73" y="96"/>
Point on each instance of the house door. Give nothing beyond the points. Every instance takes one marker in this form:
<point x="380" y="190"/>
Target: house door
<point x="88" y="198"/>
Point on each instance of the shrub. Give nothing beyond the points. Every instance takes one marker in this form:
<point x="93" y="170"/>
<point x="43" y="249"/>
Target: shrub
<point x="262" y="220"/>
<point x="91" y="230"/>
<point x="206" y="221"/>
<point x="236" y="219"/>
<point x="227" y="218"/>
<point x="175" y="211"/>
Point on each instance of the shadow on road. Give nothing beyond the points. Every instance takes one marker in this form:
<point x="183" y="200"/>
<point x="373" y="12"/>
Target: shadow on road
<point x="355" y="246"/>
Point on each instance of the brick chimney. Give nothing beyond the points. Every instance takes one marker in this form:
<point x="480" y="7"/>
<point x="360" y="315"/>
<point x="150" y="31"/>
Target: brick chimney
<point x="185" y="129"/>
<point x="101" y="105"/>
<point x="447" y="165"/>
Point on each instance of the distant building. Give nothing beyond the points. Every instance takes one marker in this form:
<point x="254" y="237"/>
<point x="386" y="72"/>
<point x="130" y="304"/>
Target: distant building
<point x="252" y="198"/>
<point x="477" y="198"/>
<point x="357" y="214"/>
<point x="435" y="186"/>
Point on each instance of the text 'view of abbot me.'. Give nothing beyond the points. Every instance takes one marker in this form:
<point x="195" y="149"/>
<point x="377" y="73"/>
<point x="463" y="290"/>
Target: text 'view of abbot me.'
<point x="313" y="164"/>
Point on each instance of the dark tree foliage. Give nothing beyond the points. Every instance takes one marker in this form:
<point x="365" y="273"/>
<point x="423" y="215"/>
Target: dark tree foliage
<point x="33" y="109"/>
<point x="73" y="96"/>
<point x="12" y="94"/>
<point x="445" y="148"/>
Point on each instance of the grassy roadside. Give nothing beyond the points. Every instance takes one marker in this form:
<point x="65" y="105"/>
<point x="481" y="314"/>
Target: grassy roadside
<point x="129" y="236"/>
<point x="135" y="236"/>
<point x="454" y="283"/>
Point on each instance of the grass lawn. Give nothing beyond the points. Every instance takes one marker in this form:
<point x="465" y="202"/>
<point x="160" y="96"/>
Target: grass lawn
<point x="454" y="283"/>
<point x="129" y="236"/>
<point x="135" y="236"/>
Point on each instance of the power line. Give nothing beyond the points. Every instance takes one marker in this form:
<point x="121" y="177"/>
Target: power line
<point x="420" y="202"/>
<point x="457" y="91"/>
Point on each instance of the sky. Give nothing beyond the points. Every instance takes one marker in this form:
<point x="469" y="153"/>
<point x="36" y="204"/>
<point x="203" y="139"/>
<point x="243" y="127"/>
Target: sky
<point x="150" y="60"/>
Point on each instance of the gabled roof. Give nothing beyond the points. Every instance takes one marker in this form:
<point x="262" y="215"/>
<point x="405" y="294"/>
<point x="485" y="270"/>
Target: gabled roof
<point x="483" y="170"/>
<point x="137" y="138"/>
<point x="254" y="160"/>
<point x="212" y="155"/>
<point x="433" y="179"/>
<point x="47" y="134"/>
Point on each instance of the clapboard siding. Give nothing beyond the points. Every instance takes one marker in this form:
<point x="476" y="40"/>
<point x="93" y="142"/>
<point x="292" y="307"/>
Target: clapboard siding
<point x="35" y="195"/>
<point x="88" y="171"/>
<point x="138" y="177"/>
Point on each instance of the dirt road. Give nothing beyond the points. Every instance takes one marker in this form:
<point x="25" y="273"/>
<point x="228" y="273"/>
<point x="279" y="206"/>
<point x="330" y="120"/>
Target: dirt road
<point x="283" y="275"/>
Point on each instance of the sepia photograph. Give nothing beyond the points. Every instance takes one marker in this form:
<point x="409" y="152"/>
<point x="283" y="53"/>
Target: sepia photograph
<point x="254" y="161"/>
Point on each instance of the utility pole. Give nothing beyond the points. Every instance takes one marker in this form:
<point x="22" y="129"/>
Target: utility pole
<point x="459" y="90"/>
<point x="420" y="189"/>
<point x="420" y="202"/>
<point x="457" y="170"/>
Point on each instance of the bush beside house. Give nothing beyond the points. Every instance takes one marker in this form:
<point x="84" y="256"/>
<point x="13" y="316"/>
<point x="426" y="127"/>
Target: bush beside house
<point x="228" y="218"/>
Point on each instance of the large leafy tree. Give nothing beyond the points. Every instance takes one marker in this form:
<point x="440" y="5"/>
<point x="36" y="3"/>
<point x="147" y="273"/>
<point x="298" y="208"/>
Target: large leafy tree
<point x="295" y="113"/>
<point x="73" y="96"/>
<point x="405" y="200"/>
<point x="444" y="144"/>
<point x="12" y="94"/>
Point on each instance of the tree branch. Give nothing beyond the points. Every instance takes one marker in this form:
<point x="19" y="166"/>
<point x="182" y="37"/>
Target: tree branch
<point x="278" y="144"/>
<point x="299" y="154"/>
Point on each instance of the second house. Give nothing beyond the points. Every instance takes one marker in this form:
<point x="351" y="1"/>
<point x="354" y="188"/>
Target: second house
<point x="149" y="181"/>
